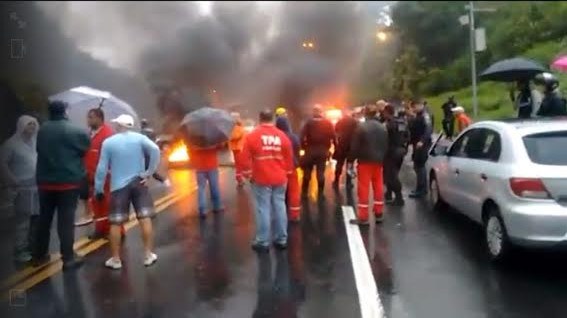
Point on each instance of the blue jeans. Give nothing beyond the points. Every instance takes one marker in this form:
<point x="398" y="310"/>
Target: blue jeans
<point x="268" y="199"/>
<point x="212" y="177"/>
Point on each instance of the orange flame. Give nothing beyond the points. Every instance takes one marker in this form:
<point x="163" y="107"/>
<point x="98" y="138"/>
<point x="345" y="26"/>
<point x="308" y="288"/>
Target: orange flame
<point x="179" y="153"/>
<point x="334" y="115"/>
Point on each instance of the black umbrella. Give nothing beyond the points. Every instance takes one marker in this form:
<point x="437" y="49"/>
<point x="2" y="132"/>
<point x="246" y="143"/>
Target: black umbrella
<point x="512" y="70"/>
<point x="207" y="127"/>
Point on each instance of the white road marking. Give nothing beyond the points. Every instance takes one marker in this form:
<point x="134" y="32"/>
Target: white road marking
<point x="368" y="297"/>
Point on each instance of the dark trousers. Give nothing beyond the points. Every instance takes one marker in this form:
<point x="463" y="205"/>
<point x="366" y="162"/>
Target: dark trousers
<point x="339" y="170"/>
<point x="320" y="162"/>
<point x="448" y="126"/>
<point x="419" y="159"/>
<point x="65" y="203"/>
<point x="392" y="166"/>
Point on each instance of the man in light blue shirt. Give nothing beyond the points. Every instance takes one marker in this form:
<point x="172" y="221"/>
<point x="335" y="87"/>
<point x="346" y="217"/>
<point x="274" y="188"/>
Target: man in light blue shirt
<point x="123" y="156"/>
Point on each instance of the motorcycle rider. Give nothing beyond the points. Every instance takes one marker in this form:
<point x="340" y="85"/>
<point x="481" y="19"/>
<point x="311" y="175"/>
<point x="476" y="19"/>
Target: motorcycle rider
<point x="553" y="104"/>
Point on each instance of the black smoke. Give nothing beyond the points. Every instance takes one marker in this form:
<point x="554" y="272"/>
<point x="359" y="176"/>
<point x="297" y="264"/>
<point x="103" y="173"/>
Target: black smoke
<point x="231" y="52"/>
<point x="243" y="55"/>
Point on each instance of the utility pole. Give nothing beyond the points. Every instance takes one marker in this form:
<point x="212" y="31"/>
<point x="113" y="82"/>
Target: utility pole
<point x="473" y="58"/>
<point x="469" y="19"/>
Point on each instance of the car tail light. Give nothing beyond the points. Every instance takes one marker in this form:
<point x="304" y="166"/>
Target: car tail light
<point x="529" y="188"/>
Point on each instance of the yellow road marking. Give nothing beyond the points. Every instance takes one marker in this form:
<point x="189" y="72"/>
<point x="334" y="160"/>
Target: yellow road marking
<point x="55" y="265"/>
<point x="30" y="270"/>
<point x="83" y="247"/>
<point x="79" y="244"/>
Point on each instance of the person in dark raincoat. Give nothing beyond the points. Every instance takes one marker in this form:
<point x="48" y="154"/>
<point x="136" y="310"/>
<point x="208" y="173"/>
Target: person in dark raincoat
<point x="317" y="137"/>
<point x="344" y="129"/>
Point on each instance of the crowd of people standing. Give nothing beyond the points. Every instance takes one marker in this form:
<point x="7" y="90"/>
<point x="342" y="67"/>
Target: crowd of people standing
<point x="109" y="170"/>
<point x="376" y="141"/>
<point x="50" y="168"/>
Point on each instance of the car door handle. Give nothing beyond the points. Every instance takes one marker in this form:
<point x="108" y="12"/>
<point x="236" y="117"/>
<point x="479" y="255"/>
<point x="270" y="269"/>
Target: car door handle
<point x="483" y="177"/>
<point x="457" y="171"/>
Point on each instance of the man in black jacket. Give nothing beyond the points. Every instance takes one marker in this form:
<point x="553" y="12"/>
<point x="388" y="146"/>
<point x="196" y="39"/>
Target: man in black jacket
<point x="317" y="136"/>
<point x="421" y="130"/>
<point x="344" y="129"/>
<point x="61" y="147"/>
<point x="369" y="144"/>
<point x="395" y="153"/>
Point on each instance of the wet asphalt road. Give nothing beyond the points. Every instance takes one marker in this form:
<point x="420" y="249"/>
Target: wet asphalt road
<point x="426" y="264"/>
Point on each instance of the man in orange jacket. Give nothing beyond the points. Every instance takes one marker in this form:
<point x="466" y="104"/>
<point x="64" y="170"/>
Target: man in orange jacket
<point x="268" y="158"/>
<point x="206" y="164"/>
<point x="236" y="143"/>
<point x="99" y="133"/>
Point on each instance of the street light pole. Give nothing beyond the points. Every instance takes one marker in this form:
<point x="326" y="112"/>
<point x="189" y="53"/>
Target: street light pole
<point x="473" y="58"/>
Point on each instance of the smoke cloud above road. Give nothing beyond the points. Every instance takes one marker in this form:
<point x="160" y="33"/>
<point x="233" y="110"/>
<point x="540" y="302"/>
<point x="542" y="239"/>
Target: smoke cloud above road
<point x="251" y="54"/>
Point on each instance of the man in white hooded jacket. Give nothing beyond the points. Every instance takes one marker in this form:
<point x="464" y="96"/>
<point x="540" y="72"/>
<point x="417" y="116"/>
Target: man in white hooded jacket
<point x="18" y="159"/>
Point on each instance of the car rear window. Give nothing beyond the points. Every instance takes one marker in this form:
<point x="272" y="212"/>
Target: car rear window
<point x="547" y="148"/>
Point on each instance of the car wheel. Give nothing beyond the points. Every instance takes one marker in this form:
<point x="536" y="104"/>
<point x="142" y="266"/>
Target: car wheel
<point x="435" y="194"/>
<point x="497" y="242"/>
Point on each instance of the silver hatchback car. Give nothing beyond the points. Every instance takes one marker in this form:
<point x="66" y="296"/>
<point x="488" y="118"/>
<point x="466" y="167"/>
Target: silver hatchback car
<point x="510" y="176"/>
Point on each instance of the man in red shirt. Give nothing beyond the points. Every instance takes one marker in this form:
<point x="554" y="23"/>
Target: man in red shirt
<point x="267" y="158"/>
<point x="99" y="133"/>
<point x="206" y="164"/>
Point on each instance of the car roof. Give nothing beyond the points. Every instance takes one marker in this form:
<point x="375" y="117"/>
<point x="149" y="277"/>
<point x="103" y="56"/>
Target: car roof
<point x="526" y="126"/>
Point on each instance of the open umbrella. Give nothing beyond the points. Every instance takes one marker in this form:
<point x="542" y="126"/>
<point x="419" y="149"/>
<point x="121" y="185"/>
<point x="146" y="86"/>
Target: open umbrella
<point x="560" y="64"/>
<point x="81" y="99"/>
<point x="511" y="70"/>
<point x="207" y="127"/>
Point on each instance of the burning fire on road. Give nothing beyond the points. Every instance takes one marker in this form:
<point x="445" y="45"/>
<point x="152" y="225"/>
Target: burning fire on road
<point x="179" y="153"/>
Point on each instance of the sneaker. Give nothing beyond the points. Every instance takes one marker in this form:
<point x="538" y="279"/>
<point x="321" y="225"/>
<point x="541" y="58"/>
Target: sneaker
<point x="74" y="263"/>
<point x="219" y="210"/>
<point x="280" y="246"/>
<point x="113" y="263"/>
<point x="39" y="261"/>
<point x="23" y="257"/>
<point x="417" y="195"/>
<point x="167" y="183"/>
<point x="398" y="202"/>
<point x="260" y="248"/>
<point x="359" y="222"/>
<point x="150" y="259"/>
<point x="379" y="218"/>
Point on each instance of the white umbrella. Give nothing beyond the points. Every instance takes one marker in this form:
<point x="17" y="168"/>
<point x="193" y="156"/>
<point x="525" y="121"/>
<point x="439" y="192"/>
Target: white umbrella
<point x="81" y="99"/>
